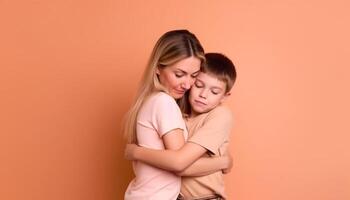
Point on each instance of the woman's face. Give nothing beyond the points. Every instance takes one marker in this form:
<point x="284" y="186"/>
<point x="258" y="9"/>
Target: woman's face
<point x="180" y="76"/>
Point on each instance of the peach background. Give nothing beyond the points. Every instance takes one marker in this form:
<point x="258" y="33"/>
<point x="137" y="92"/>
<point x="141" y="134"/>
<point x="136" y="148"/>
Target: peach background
<point x="69" y="69"/>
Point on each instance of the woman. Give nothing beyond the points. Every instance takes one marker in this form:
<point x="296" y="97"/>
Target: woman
<point x="155" y="120"/>
<point x="209" y="126"/>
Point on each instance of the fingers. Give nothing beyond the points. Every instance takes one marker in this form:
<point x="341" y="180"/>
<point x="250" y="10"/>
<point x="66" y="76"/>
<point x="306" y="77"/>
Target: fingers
<point x="226" y="171"/>
<point x="229" y="163"/>
<point x="129" y="151"/>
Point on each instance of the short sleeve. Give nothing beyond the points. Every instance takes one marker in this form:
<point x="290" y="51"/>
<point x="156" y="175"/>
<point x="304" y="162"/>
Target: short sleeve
<point x="215" y="130"/>
<point x="167" y="115"/>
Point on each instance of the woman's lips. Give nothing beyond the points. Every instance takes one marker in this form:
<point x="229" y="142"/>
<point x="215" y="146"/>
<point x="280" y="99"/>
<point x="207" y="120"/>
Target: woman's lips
<point x="180" y="91"/>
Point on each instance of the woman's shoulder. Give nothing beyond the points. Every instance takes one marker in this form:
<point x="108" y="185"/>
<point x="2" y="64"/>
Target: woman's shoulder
<point x="161" y="98"/>
<point x="160" y="103"/>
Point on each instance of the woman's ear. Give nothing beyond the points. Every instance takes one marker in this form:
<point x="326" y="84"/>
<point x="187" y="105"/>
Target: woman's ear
<point x="157" y="70"/>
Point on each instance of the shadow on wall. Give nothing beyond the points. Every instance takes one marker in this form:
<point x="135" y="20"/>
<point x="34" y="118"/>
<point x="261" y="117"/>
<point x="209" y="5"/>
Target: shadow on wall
<point x="123" y="172"/>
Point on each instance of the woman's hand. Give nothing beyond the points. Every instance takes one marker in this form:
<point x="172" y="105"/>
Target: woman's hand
<point x="130" y="151"/>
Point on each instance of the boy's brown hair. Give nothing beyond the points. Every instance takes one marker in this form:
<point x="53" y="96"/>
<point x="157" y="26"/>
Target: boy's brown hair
<point x="220" y="66"/>
<point x="217" y="65"/>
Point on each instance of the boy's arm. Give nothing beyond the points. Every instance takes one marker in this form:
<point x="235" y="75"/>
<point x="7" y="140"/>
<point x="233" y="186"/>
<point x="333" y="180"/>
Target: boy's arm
<point x="213" y="136"/>
<point x="208" y="137"/>
<point x="172" y="160"/>
<point x="179" y="160"/>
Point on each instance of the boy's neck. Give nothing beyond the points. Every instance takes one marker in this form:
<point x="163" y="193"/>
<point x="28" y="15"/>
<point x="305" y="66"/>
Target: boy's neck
<point x="194" y="114"/>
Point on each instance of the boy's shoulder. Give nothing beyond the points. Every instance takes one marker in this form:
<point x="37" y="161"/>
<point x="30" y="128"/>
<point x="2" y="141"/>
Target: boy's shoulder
<point x="220" y="114"/>
<point x="221" y="110"/>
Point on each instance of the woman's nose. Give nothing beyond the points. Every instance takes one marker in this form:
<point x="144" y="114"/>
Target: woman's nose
<point x="188" y="83"/>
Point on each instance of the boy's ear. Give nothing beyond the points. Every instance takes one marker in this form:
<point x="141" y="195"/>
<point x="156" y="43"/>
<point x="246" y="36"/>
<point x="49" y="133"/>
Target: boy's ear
<point x="227" y="94"/>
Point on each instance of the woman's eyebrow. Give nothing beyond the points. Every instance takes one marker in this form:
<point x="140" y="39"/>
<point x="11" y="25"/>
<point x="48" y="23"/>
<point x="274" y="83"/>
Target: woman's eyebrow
<point x="180" y="70"/>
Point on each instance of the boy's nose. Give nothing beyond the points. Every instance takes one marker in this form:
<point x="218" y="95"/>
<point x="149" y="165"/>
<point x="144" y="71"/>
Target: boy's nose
<point x="203" y="94"/>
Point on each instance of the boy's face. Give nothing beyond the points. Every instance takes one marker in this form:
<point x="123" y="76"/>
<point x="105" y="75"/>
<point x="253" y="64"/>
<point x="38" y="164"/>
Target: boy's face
<point x="206" y="93"/>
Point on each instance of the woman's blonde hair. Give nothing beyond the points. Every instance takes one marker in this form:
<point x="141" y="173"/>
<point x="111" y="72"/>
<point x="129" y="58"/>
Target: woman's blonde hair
<point x="172" y="47"/>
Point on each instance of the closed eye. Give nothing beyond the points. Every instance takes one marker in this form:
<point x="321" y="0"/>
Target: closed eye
<point x="216" y="91"/>
<point x="198" y="84"/>
<point x="194" y="75"/>
<point x="179" y="75"/>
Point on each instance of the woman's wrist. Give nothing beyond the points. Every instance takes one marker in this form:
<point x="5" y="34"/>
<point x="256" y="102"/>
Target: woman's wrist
<point x="132" y="152"/>
<point x="135" y="153"/>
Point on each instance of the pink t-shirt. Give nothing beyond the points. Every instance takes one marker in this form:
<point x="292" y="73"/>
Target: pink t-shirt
<point x="158" y="115"/>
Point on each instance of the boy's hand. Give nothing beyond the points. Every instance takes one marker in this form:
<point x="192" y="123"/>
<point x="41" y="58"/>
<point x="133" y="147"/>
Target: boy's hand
<point x="230" y="164"/>
<point x="130" y="151"/>
<point x="224" y="152"/>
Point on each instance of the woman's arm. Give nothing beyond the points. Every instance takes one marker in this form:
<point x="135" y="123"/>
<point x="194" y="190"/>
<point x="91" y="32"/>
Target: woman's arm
<point x="174" y="139"/>
<point x="208" y="165"/>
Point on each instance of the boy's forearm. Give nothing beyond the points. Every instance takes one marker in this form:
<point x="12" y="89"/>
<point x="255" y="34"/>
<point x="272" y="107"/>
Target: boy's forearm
<point x="171" y="160"/>
<point x="205" y="166"/>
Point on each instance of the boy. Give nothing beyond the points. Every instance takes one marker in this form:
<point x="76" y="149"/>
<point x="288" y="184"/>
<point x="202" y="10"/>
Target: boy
<point x="209" y="125"/>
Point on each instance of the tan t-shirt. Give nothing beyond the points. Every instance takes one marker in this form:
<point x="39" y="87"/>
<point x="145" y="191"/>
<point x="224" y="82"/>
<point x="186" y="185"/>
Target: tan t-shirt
<point x="210" y="130"/>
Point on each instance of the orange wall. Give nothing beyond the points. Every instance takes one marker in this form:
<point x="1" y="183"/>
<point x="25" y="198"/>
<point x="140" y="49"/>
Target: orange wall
<point x="69" y="69"/>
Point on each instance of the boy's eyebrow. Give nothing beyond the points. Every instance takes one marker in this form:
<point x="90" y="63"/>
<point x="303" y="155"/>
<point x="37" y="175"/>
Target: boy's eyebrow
<point x="216" y="88"/>
<point x="197" y="72"/>
<point x="198" y="79"/>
